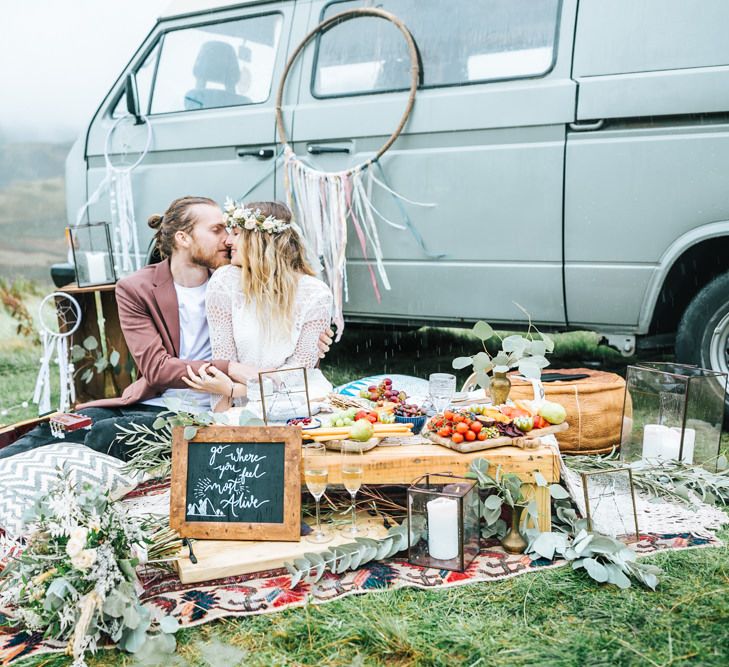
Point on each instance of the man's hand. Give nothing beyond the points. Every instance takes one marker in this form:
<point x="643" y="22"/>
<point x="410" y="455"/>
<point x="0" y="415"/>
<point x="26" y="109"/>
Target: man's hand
<point x="325" y="342"/>
<point x="209" y="380"/>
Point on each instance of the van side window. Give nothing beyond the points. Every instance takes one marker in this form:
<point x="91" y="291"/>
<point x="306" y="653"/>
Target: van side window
<point x="460" y="41"/>
<point x="217" y="65"/>
<point x="145" y="75"/>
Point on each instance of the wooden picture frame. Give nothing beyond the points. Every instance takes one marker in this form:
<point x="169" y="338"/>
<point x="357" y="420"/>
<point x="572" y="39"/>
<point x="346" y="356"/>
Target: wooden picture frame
<point x="230" y="457"/>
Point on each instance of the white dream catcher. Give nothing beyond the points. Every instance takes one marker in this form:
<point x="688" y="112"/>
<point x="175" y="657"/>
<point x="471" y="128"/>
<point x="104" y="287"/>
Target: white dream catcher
<point x="324" y="202"/>
<point x="121" y="158"/>
<point x="59" y="317"/>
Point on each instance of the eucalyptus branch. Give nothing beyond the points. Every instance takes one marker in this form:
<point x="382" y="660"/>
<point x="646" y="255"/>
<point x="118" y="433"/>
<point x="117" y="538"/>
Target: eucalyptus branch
<point x="672" y="480"/>
<point x="311" y="566"/>
<point x="604" y="558"/>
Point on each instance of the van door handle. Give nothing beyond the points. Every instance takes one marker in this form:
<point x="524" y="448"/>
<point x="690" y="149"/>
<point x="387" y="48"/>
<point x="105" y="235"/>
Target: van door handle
<point x="260" y="153"/>
<point x="582" y="126"/>
<point x="317" y="149"/>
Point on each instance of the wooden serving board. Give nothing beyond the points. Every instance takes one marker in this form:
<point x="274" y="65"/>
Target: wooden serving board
<point x="527" y="441"/>
<point x="228" y="558"/>
<point x="351" y="445"/>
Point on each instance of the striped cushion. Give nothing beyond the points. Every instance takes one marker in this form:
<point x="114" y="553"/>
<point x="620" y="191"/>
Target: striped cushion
<point x="24" y="477"/>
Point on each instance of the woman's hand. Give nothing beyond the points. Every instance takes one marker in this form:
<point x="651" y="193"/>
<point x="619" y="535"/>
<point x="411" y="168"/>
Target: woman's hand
<point x="325" y="342"/>
<point x="242" y="372"/>
<point x="209" y="380"/>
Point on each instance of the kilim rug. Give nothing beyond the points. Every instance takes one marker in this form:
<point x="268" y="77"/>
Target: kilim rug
<point x="270" y="591"/>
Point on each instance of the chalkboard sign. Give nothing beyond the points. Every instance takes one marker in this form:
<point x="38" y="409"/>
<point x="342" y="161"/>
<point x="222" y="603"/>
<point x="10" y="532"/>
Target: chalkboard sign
<point x="237" y="483"/>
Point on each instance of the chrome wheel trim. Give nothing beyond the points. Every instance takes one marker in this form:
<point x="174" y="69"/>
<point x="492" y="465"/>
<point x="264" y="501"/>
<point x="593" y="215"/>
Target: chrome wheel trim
<point x="719" y="348"/>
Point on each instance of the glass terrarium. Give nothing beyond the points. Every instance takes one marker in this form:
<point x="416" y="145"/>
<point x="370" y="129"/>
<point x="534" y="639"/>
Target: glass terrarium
<point x="92" y="254"/>
<point x="672" y="412"/>
<point x="444" y="516"/>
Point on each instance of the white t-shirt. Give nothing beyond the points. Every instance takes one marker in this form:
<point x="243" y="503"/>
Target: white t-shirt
<point x="194" y="344"/>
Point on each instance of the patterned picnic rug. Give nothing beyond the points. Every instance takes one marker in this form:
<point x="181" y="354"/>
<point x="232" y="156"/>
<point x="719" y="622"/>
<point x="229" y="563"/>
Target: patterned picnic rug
<point x="270" y="591"/>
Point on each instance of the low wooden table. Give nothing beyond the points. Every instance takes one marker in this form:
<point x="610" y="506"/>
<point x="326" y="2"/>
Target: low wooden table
<point x="402" y="464"/>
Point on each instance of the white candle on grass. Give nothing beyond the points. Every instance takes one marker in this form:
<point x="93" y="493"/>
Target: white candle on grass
<point x="661" y="443"/>
<point x="443" y="528"/>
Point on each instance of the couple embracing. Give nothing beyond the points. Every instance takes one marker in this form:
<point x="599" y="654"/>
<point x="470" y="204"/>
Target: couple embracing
<point x="234" y="295"/>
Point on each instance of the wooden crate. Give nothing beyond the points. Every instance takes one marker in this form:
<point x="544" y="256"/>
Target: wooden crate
<point x="100" y="319"/>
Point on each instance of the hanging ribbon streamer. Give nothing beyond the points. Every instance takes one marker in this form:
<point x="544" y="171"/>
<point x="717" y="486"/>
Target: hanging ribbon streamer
<point x="118" y="182"/>
<point x="323" y="203"/>
<point x="55" y="343"/>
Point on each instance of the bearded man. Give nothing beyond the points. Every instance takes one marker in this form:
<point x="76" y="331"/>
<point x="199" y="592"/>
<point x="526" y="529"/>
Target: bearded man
<point x="162" y="315"/>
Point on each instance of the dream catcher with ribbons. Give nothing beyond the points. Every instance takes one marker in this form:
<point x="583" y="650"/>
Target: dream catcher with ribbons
<point x="59" y="317"/>
<point x="324" y="202"/>
<point x="127" y="143"/>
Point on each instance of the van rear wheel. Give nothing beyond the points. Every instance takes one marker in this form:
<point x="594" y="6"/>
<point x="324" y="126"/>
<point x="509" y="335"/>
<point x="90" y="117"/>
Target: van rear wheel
<point x="703" y="333"/>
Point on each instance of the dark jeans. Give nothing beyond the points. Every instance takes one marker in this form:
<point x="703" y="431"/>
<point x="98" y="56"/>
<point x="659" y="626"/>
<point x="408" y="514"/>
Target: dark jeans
<point x="101" y="437"/>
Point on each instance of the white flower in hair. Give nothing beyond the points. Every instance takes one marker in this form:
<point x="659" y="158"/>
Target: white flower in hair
<point x="269" y="223"/>
<point x="250" y="223"/>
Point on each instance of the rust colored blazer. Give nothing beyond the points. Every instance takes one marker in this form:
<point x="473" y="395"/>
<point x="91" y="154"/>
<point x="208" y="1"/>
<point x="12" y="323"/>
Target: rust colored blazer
<point x="150" y="321"/>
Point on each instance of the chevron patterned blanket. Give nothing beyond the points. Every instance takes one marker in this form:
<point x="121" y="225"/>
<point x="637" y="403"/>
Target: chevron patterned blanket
<point x="270" y="591"/>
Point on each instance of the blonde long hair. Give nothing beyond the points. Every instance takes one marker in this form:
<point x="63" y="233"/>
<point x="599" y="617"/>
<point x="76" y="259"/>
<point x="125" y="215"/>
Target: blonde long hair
<point x="271" y="265"/>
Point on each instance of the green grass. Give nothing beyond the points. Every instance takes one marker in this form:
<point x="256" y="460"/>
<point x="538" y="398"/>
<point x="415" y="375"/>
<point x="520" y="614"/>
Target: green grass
<point x="556" y="617"/>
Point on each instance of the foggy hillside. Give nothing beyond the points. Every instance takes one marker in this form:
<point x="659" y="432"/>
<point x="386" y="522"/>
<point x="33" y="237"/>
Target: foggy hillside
<point x="32" y="209"/>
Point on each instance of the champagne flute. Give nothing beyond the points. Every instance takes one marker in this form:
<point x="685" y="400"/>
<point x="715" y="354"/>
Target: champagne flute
<point x="352" y="474"/>
<point x="442" y="387"/>
<point x="316" y="476"/>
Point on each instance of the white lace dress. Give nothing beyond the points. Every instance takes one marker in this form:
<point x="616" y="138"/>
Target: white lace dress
<point x="236" y="335"/>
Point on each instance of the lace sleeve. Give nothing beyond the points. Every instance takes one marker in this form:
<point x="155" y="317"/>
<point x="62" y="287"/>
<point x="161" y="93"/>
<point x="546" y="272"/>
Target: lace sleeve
<point x="219" y="309"/>
<point x="317" y="318"/>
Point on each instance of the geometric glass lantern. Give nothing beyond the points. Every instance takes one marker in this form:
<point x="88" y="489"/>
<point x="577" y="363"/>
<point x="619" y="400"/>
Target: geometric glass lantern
<point x="92" y="254"/>
<point x="444" y="517"/>
<point x="672" y="412"/>
<point x="609" y="502"/>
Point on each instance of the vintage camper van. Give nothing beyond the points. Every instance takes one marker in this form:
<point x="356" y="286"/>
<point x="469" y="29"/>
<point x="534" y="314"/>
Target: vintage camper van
<point x="577" y="151"/>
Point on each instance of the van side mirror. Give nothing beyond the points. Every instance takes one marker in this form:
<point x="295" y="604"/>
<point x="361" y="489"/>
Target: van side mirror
<point x="132" y="97"/>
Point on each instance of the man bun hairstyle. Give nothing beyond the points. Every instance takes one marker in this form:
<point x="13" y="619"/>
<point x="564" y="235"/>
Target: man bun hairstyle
<point x="177" y="218"/>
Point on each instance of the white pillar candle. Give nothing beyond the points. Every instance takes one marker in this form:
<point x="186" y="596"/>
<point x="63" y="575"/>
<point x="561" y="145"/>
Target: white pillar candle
<point x="96" y="262"/>
<point x="443" y="528"/>
<point x="661" y="443"/>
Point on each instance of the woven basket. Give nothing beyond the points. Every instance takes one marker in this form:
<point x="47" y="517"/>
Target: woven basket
<point x="594" y="408"/>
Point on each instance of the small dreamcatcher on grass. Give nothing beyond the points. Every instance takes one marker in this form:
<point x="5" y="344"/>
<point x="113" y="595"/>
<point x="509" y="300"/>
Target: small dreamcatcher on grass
<point x="59" y="317"/>
<point x="323" y="202"/>
<point x="127" y="143"/>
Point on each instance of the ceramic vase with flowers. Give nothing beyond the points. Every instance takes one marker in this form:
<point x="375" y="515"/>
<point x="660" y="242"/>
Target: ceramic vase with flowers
<point x="526" y="353"/>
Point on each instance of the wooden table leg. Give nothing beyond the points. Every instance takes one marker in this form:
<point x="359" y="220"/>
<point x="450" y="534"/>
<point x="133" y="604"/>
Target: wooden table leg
<point x="544" y="504"/>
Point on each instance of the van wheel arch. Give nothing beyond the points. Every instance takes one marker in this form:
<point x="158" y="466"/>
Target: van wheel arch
<point x="695" y="268"/>
<point x="702" y="338"/>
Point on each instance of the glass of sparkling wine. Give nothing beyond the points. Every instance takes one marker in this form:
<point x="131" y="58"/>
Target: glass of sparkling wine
<point x="352" y="474"/>
<point x="442" y="387"/>
<point x="316" y="476"/>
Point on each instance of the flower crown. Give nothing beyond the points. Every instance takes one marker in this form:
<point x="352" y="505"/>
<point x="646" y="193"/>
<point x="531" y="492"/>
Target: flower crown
<point x="237" y="215"/>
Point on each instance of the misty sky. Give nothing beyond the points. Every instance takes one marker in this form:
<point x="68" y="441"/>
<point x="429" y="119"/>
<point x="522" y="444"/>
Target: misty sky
<point x="59" y="57"/>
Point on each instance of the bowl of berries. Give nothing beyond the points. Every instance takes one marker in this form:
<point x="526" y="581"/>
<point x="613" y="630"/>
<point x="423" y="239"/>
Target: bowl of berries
<point x="408" y="413"/>
<point x="304" y="422"/>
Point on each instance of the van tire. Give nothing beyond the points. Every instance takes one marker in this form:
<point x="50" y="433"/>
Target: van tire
<point x="703" y="332"/>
